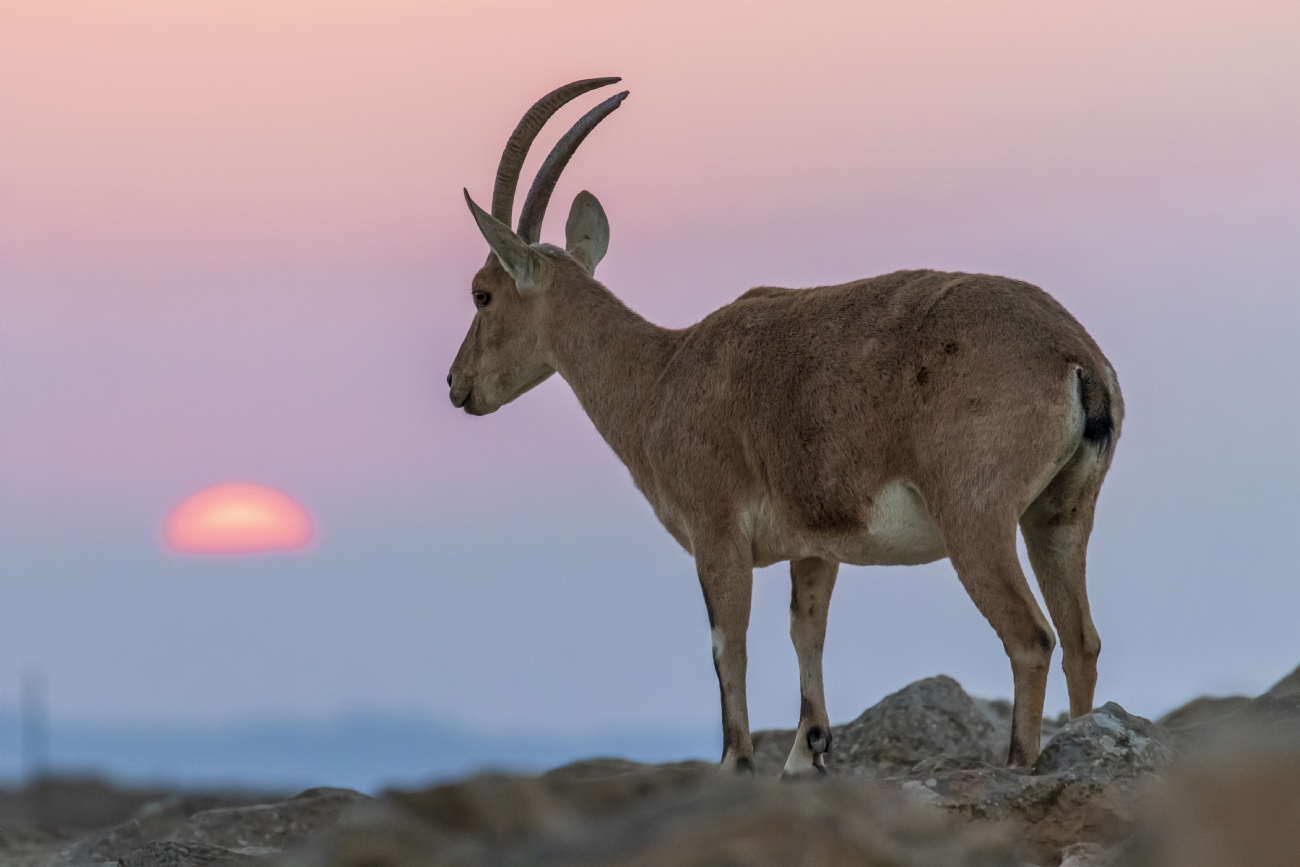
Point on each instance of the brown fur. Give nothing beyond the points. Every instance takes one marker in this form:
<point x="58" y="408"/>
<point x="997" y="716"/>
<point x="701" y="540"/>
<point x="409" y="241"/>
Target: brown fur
<point x="892" y="420"/>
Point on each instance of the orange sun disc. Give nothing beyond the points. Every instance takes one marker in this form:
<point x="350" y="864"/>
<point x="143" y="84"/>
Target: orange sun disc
<point x="237" y="518"/>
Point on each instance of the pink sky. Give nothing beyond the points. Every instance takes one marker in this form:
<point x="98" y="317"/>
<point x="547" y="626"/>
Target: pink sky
<point x="156" y="138"/>
<point x="288" y="166"/>
<point x="233" y="246"/>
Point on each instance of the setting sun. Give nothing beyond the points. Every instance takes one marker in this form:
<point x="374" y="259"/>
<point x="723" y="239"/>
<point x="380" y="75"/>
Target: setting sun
<point x="237" y="518"/>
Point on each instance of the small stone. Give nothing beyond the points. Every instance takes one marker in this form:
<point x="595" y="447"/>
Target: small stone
<point x="926" y="719"/>
<point x="1106" y="745"/>
<point x="1089" y="855"/>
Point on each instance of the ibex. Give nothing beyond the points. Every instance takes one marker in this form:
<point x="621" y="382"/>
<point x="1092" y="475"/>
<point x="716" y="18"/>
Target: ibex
<point x="888" y="421"/>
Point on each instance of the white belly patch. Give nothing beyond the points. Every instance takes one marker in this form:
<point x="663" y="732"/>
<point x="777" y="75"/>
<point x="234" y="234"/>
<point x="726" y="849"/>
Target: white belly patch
<point x="900" y="530"/>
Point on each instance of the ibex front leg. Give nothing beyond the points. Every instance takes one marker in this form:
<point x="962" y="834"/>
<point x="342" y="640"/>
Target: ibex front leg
<point x="726" y="576"/>
<point x="811" y="582"/>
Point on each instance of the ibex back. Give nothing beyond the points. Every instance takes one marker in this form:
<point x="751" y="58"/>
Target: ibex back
<point x="894" y="420"/>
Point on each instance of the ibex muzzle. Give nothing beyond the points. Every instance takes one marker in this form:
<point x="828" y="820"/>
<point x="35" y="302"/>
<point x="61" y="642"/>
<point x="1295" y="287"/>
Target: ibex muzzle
<point x="893" y="420"/>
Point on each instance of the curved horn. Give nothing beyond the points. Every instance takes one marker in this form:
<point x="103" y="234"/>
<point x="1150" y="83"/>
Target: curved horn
<point x="512" y="158"/>
<point x="539" y="195"/>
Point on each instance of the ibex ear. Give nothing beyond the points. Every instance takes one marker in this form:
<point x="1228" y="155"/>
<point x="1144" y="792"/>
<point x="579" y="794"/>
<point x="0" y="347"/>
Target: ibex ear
<point x="586" y="232"/>
<point x="521" y="261"/>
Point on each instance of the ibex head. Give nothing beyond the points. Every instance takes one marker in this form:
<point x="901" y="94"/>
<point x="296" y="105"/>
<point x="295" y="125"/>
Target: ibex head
<point x="502" y="355"/>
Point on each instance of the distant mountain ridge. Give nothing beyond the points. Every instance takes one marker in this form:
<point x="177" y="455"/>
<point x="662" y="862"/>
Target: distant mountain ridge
<point x="364" y="752"/>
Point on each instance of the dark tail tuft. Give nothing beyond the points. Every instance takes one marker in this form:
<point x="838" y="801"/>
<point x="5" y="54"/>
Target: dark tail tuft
<point x="1099" y="421"/>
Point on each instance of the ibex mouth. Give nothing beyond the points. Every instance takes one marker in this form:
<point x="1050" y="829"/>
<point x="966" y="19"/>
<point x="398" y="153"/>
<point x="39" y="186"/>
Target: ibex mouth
<point x="478" y="409"/>
<point x="467" y="403"/>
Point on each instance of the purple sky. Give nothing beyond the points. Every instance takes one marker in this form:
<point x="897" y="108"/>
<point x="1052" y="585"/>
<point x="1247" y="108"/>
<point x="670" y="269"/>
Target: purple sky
<point x="233" y="248"/>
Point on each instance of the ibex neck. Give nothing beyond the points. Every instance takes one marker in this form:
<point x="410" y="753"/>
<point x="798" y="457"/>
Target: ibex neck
<point x="611" y="358"/>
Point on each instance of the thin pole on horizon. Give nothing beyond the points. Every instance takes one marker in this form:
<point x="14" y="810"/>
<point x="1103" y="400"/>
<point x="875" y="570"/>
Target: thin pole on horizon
<point x="34" y="713"/>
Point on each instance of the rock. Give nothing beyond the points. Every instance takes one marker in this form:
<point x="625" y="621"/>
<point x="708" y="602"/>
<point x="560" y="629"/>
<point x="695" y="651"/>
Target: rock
<point x="1045" y="813"/>
<point x="1269" y="711"/>
<point x="1051" y="725"/>
<point x="772" y="747"/>
<point x="1198" y="711"/>
<point x="766" y="823"/>
<point x="1105" y="746"/>
<point x="927" y="718"/>
<point x="156" y="820"/>
<point x="218" y="830"/>
<point x="1090" y="855"/>
<point x="650" y="815"/>
<point x="603" y="768"/>
<point x="954" y="805"/>
<point x="1082" y="790"/>
<point x="112" y="845"/>
<point x="159" y="854"/>
<point x="265" y="828"/>
<point x="496" y="809"/>
<point x="1289" y="685"/>
<point x="1204" y="717"/>
<point x="64" y="806"/>
<point x="597" y="787"/>
<point x="998" y="711"/>
<point x="500" y="809"/>
<point x="382" y="835"/>
<point x="1232" y="803"/>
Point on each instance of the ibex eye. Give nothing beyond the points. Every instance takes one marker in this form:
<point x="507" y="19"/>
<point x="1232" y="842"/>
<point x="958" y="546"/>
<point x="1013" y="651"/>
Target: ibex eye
<point x="481" y="299"/>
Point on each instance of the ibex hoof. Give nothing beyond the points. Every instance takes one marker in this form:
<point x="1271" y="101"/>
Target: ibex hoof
<point x="819" y="740"/>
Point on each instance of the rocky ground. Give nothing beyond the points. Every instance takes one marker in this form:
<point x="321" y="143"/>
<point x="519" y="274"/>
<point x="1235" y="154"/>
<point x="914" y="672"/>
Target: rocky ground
<point x="915" y="782"/>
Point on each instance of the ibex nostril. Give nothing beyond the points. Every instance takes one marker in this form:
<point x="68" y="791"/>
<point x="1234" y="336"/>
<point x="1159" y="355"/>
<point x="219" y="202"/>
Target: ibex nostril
<point x="449" y="380"/>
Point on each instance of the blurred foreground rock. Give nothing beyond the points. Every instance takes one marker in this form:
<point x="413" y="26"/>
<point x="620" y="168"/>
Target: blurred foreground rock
<point x="915" y="780"/>
<point x="1235" y="802"/>
<point x="645" y="815"/>
<point x="55" y="808"/>
<point x="174" y="830"/>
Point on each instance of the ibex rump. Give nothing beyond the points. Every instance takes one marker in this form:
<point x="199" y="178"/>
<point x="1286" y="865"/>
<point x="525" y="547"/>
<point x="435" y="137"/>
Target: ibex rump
<point x="894" y="420"/>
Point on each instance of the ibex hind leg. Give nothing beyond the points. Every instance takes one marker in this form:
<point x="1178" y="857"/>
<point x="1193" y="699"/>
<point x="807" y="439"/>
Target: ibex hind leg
<point x="983" y="551"/>
<point x="1056" y="528"/>
<point x="812" y="582"/>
